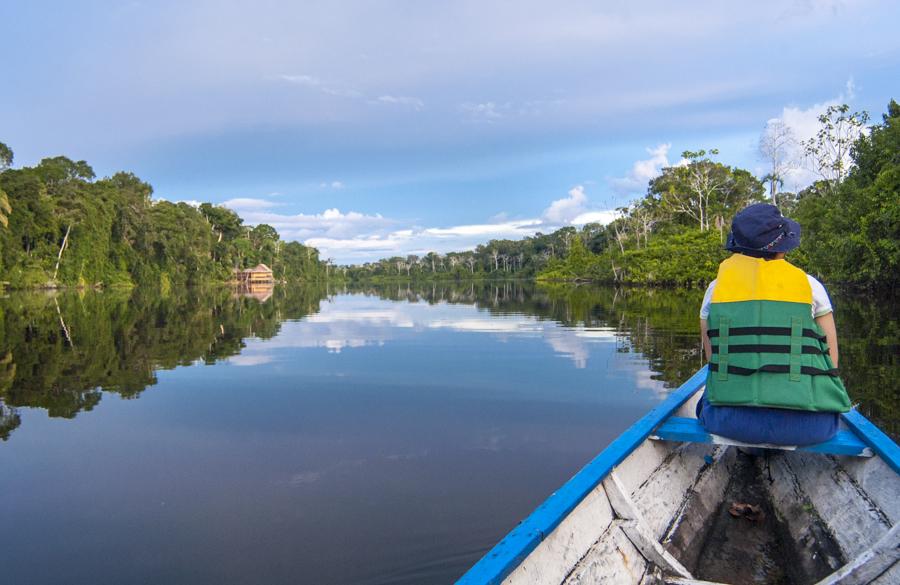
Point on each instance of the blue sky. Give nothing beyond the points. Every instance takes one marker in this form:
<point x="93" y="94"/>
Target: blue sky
<point x="371" y="129"/>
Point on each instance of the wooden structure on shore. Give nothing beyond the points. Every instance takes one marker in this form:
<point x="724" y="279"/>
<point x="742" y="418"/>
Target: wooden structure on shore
<point x="259" y="274"/>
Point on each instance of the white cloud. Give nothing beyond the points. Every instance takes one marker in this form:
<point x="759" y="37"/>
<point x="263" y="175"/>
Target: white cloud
<point x="508" y="229"/>
<point x="331" y="223"/>
<point x="191" y="202"/>
<point x="402" y="100"/>
<point x="563" y="211"/>
<point x="250" y="359"/>
<point x="336" y="185"/>
<point x="307" y="80"/>
<point x="352" y="237"/>
<point x="576" y="209"/>
<point x="485" y="112"/>
<point x="241" y="203"/>
<point x="643" y="171"/>
<point x="602" y="217"/>
<point x="316" y="83"/>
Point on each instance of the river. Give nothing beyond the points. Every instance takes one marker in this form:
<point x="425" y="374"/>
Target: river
<point x="313" y="434"/>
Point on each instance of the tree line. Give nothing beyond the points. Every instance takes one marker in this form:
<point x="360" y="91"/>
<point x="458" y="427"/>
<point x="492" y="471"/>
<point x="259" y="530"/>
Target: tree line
<point x="60" y="226"/>
<point x="498" y="259"/>
<point x="674" y="233"/>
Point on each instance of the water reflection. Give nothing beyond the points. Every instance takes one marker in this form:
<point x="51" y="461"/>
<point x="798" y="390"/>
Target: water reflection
<point x="327" y="435"/>
<point x="358" y="320"/>
<point x="60" y="352"/>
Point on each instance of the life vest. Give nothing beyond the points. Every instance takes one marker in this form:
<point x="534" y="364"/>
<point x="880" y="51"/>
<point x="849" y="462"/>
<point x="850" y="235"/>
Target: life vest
<point x="767" y="349"/>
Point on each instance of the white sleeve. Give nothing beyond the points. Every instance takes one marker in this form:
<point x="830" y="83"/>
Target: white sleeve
<point x="821" y="304"/>
<point x="707" y="298"/>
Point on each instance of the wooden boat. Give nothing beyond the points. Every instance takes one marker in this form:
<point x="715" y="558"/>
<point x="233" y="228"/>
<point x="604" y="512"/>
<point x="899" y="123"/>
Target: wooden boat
<point x="657" y="507"/>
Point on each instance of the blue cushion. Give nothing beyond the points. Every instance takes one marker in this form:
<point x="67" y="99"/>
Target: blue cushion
<point x="777" y="426"/>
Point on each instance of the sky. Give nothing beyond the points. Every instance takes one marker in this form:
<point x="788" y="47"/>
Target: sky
<point x="372" y="129"/>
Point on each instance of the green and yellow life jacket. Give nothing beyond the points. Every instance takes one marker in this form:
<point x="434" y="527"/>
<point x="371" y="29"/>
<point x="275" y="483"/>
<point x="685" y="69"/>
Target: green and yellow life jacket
<point x="767" y="349"/>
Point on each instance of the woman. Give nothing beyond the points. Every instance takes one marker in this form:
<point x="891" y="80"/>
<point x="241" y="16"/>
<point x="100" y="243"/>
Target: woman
<point x="768" y="332"/>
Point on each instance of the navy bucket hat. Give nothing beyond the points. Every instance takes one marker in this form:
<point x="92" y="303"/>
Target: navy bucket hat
<point x="761" y="230"/>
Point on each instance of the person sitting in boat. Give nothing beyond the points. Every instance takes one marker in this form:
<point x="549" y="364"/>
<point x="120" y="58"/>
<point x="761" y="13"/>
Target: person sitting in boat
<point x="768" y="332"/>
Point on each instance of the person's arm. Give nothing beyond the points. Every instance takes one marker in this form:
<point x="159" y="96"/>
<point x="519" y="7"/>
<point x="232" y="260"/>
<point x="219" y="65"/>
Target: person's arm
<point x="704" y="326"/>
<point x="826" y="323"/>
<point x="707" y="347"/>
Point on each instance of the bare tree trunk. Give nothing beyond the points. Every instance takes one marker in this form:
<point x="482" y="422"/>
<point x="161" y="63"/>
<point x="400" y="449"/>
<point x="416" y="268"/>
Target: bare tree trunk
<point x="63" y="324"/>
<point x="62" y="247"/>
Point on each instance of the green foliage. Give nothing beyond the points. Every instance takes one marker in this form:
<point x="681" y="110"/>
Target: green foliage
<point x="688" y="258"/>
<point x="66" y="229"/>
<point x="851" y="230"/>
<point x="702" y="193"/>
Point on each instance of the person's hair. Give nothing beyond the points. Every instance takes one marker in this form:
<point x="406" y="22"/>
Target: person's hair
<point x="759" y="254"/>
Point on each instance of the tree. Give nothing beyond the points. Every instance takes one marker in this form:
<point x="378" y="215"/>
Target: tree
<point x="6" y="160"/>
<point x="61" y="170"/>
<point x="777" y="145"/>
<point x="852" y="230"/>
<point x="225" y="223"/>
<point x="6" y="157"/>
<point x="688" y="189"/>
<point x="703" y="189"/>
<point x="828" y="152"/>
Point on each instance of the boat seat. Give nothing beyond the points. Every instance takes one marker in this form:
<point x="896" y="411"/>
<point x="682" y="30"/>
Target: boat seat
<point x="689" y="430"/>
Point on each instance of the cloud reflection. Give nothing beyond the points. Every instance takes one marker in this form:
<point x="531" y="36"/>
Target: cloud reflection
<point x="353" y="322"/>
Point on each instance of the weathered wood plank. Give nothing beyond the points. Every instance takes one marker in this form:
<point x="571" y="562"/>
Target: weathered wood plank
<point x="808" y="488"/>
<point x="690" y="524"/>
<point x="612" y="559"/>
<point x="636" y="529"/>
<point x="564" y="547"/>
<point x="663" y="492"/>
<point x="866" y="567"/>
<point x="878" y="480"/>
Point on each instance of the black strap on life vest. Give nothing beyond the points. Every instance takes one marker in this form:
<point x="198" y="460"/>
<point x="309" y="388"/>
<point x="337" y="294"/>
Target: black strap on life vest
<point x="775" y="369"/>
<point x="765" y="348"/>
<point x="786" y="331"/>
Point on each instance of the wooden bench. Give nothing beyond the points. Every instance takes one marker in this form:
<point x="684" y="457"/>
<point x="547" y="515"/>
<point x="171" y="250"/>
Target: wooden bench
<point x="689" y="430"/>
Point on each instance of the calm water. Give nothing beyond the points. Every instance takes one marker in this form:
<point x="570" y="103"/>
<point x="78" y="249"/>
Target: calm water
<point x="386" y="435"/>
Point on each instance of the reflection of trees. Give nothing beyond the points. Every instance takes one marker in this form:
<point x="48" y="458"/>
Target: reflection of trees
<point x="9" y="418"/>
<point x="868" y="335"/>
<point x="119" y="340"/>
<point x="62" y="352"/>
<point x="662" y="325"/>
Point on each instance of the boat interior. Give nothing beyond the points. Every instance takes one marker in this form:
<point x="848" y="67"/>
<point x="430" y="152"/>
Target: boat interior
<point x="685" y="507"/>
